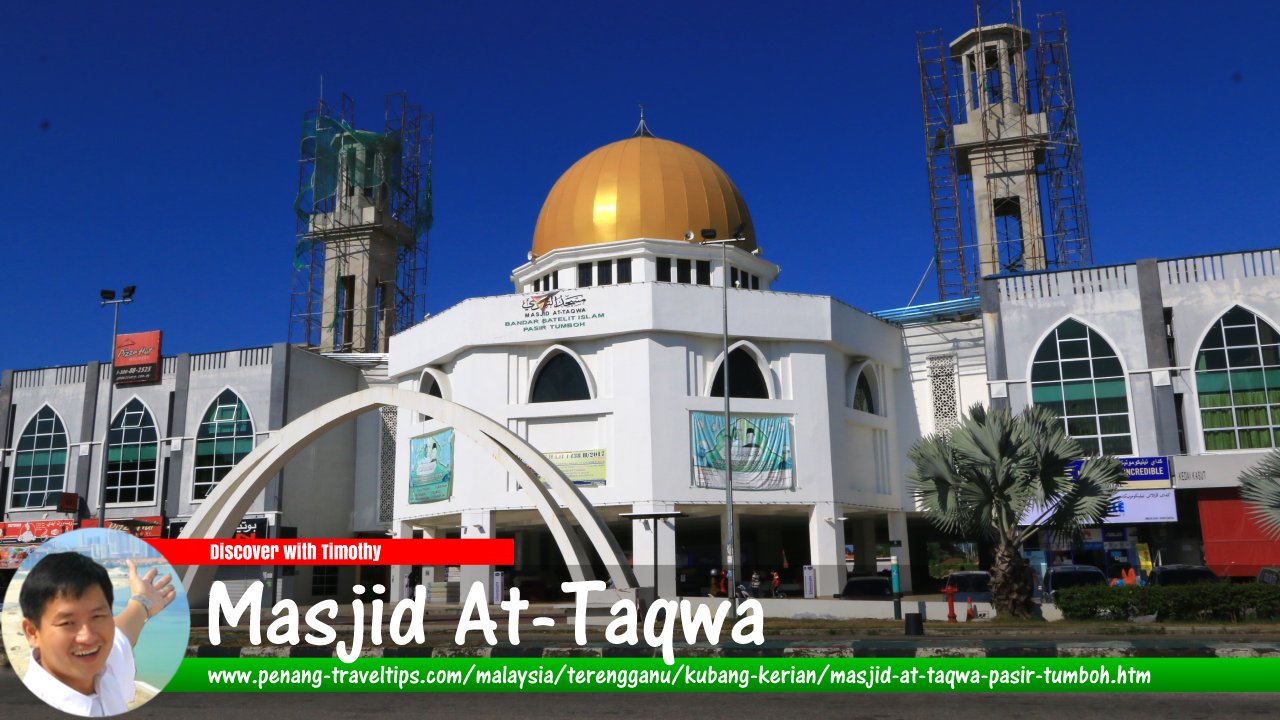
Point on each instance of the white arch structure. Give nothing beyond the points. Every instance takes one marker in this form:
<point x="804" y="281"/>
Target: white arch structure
<point x="226" y="506"/>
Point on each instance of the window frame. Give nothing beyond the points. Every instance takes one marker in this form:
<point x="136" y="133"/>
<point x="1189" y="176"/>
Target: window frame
<point x="147" y="414"/>
<point x="1094" y="443"/>
<point x="195" y="454"/>
<point x="1269" y="407"/>
<point x="58" y="427"/>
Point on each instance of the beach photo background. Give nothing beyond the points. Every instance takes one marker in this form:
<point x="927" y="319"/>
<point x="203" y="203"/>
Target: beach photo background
<point x="164" y="638"/>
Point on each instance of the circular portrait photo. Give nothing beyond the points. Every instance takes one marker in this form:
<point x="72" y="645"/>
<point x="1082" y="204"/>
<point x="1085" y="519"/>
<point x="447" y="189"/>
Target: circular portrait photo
<point x="95" y="622"/>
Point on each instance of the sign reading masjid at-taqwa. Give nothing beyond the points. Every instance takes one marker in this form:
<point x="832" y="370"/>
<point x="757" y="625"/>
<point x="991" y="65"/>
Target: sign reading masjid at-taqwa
<point x="136" y="359"/>
<point x="555" y="310"/>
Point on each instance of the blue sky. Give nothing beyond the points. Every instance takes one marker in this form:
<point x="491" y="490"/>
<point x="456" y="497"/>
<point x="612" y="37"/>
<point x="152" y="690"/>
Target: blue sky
<point x="156" y="143"/>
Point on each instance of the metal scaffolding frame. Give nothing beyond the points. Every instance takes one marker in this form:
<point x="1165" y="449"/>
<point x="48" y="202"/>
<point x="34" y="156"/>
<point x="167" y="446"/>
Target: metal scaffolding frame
<point x="1055" y="170"/>
<point x="333" y="192"/>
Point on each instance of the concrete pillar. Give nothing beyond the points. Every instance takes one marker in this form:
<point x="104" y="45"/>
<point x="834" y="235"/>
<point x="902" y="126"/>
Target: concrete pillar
<point x="900" y="547"/>
<point x="863" y="535"/>
<point x="399" y="573"/>
<point x="826" y="547"/>
<point x="477" y="524"/>
<point x="642" y="538"/>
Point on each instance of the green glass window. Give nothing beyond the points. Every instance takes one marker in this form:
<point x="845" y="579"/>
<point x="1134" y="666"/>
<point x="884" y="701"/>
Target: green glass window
<point x="225" y="437"/>
<point x="1077" y="375"/>
<point x="132" y="455"/>
<point x="40" y="464"/>
<point x="1238" y="383"/>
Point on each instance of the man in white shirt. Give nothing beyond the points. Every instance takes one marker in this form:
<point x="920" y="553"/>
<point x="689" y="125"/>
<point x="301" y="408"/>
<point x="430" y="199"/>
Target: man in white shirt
<point x="82" y="657"/>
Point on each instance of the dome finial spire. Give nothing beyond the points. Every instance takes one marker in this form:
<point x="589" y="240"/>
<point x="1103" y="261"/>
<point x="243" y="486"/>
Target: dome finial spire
<point x="642" y="130"/>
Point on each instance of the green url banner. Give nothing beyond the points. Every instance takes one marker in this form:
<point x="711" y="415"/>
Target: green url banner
<point x="722" y="675"/>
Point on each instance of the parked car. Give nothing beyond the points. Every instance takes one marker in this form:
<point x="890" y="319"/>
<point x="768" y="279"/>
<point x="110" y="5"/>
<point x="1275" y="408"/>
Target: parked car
<point x="868" y="587"/>
<point x="1181" y="575"/>
<point x="970" y="585"/>
<point x="1065" y="576"/>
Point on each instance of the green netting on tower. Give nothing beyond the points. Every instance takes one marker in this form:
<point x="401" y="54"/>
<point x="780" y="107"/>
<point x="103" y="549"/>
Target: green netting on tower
<point x="368" y="160"/>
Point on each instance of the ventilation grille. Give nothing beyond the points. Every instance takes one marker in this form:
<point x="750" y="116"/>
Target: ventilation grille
<point x="946" y="395"/>
<point x="387" y="465"/>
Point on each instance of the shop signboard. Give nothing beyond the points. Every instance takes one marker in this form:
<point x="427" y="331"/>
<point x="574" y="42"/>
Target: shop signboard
<point x="147" y="526"/>
<point x="136" y="360"/>
<point x="1128" y="507"/>
<point x="1143" y="473"/>
<point x="18" y="539"/>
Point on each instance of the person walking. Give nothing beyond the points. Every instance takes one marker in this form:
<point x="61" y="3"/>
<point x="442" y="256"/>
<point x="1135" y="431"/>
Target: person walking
<point x="755" y="583"/>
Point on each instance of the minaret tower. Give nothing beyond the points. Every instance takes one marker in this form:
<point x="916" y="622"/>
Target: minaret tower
<point x="999" y="144"/>
<point x="360" y="258"/>
<point x="1006" y="184"/>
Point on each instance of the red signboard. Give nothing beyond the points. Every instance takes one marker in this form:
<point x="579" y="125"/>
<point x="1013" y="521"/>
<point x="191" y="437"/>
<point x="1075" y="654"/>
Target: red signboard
<point x="137" y="358"/>
<point x="33" y="530"/>
<point x="149" y="526"/>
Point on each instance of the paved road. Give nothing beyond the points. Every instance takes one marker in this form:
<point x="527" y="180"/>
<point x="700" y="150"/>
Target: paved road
<point x="16" y="702"/>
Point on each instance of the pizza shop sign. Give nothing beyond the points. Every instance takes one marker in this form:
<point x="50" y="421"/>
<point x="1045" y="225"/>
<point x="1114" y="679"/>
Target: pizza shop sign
<point x="555" y="310"/>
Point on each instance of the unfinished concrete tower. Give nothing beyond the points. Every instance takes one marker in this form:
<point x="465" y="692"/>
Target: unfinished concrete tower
<point x="360" y="258"/>
<point x="1005" y="179"/>
<point x="999" y="144"/>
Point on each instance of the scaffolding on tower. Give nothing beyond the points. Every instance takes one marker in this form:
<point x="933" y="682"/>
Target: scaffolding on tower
<point x="352" y="185"/>
<point x="1052" y="164"/>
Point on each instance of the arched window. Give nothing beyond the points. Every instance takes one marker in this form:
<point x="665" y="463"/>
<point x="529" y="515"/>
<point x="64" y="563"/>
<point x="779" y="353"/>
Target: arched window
<point x="40" y="465"/>
<point x="745" y="380"/>
<point x="1238" y="383"/>
<point x="224" y="438"/>
<point x="132" y="452"/>
<point x="559" y="379"/>
<point x="1077" y="375"/>
<point x="864" y="398"/>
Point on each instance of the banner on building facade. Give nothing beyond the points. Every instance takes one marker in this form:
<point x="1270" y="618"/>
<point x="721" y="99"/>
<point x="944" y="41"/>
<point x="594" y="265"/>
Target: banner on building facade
<point x="584" y="468"/>
<point x="431" y="467"/>
<point x="761" y="448"/>
<point x="137" y="358"/>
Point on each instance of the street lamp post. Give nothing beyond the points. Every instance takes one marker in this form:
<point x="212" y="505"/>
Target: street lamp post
<point x="731" y="579"/>
<point x="109" y="298"/>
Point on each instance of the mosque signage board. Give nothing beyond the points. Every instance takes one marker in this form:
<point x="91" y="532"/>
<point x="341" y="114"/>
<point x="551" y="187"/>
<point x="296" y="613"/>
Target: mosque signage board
<point x="431" y="467"/>
<point x="136" y="360"/>
<point x="761" y="446"/>
<point x="554" y="310"/>
<point x="584" y="468"/>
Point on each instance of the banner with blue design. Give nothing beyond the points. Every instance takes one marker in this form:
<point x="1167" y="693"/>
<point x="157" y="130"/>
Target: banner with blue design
<point x="761" y="447"/>
<point x="431" y="467"/>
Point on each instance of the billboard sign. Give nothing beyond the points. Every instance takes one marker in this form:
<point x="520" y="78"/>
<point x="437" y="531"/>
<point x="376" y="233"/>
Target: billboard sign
<point x="584" y="468"/>
<point x="1143" y="473"/>
<point x="136" y="360"/>
<point x="431" y="467"/>
<point x="761" y="448"/>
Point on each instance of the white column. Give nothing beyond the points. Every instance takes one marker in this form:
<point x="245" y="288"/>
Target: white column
<point x="898" y="534"/>
<point x="399" y="573"/>
<point x="477" y="524"/>
<point x="826" y="548"/>
<point x="642" y="537"/>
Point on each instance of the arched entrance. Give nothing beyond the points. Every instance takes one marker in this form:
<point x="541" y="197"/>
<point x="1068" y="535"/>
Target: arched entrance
<point x="224" y="508"/>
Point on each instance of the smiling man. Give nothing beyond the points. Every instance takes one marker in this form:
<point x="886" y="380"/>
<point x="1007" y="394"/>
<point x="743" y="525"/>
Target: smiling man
<point x="82" y="657"/>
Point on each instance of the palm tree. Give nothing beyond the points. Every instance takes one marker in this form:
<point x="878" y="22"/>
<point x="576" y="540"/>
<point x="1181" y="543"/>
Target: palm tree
<point x="994" y="471"/>
<point x="1260" y="487"/>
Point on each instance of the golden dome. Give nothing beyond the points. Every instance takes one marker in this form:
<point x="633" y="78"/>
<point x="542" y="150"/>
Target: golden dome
<point x="641" y="187"/>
